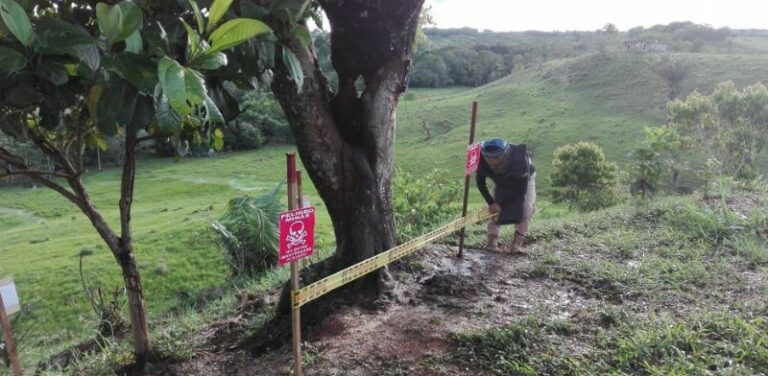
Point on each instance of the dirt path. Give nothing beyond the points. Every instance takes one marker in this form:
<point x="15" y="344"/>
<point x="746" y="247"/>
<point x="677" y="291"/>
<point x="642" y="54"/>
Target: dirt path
<point x="439" y="295"/>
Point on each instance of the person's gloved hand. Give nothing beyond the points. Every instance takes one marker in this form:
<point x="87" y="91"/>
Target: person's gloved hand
<point x="494" y="208"/>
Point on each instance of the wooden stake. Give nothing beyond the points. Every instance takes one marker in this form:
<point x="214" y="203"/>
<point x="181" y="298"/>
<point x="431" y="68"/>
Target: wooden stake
<point x="10" y="346"/>
<point x="295" y="311"/>
<point x="300" y="191"/>
<point x="466" y="179"/>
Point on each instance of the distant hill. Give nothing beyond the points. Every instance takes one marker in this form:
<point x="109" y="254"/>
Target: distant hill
<point x="469" y="57"/>
<point x="586" y="98"/>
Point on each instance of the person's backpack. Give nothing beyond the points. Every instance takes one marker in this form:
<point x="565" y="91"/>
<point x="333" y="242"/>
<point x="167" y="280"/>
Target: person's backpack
<point x="520" y="162"/>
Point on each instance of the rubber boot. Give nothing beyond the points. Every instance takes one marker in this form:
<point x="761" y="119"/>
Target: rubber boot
<point x="517" y="244"/>
<point x="492" y="243"/>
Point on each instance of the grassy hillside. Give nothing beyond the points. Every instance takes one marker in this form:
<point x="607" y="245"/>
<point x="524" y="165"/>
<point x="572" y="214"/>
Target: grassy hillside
<point x="605" y="101"/>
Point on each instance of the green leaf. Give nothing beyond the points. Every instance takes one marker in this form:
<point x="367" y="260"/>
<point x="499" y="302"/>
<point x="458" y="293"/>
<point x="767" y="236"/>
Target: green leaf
<point x="184" y="87"/>
<point x="11" y="61"/>
<point x="236" y="31"/>
<point x="294" y="67"/>
<point x="139" y="70"/>
<point x="218" y="139"/>
<point x="89" y="55"/>
<point x="117" y="22"/>
<point x="116" y="107"/>
<point x="171" y="77"/>
<point x="193" y="41"/>
<point x="218" y="9"/>
<point x="168" y="120"/>
<point x="211" y="61"/>
<point x="301" y="32"/>
<point x="134" y="43"/>
<point x="195" y="87"/>
<point x="57" y="37"/>
<point x="212" y="112"/>
<point x="16" y="21"/>
<point x="198" y="16"/>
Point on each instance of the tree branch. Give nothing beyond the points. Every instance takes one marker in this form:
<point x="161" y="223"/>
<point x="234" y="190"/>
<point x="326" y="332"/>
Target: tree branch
<point x="38" y="176"/>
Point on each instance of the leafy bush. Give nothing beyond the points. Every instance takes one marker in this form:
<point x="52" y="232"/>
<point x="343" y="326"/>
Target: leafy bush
<point x="243" y="136"/>
<point x="260" y="110"/>
<point x="248" y="232"/>
<point x="422" y="203"/>
<point x="583" y="178"/>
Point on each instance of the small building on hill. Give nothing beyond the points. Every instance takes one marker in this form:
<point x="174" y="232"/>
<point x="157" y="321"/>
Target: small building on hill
<point x="639" y="46"/>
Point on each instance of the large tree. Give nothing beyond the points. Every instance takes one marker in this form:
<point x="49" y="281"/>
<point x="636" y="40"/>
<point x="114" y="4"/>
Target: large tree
<point x="345" y="137"/>
<point x="730" y="126"/>
<point x="75" y="71"/>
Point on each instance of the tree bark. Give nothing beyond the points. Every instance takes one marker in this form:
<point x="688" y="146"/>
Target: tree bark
<point x="346" y="139"/>
<point x="142" y="346"/>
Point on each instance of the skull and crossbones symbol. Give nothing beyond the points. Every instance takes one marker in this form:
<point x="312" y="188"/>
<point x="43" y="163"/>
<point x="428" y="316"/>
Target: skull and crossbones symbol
<point x="473" y="160"/>
<point x="297" y="235"/>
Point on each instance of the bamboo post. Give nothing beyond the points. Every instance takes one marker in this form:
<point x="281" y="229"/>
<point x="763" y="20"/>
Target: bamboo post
<point x="295" y="311"/>
<point x="466" y="179"/>
<point x="9" y="344"/>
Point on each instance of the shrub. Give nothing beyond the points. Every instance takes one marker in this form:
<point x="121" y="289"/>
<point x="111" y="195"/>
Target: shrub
<point x="243" y="136"/>
<point x="582" y="177"/>
<point x="248" y="232"/>
<point x="422" y="203"/>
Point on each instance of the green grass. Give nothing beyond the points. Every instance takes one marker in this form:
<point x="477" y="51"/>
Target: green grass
<point x="42" y="234"/>
<point x="680" y="284"/>
<point x="715" y="343"/>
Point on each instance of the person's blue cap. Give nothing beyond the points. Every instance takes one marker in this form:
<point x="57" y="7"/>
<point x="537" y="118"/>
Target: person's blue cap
<point x="494" y="148"/>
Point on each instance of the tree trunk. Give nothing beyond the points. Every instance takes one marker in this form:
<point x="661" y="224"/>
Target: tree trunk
<point x="142" y="346"/>
<point x="346" y="139"/>
<point x="139" y="324"/>
<point x="122" y="249"/>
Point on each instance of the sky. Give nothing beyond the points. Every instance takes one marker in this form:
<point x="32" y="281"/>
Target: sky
<point x="564" y="15"/>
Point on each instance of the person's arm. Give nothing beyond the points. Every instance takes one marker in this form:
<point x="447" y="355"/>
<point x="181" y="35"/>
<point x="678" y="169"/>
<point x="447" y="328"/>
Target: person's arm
<point x="480" y="180"/>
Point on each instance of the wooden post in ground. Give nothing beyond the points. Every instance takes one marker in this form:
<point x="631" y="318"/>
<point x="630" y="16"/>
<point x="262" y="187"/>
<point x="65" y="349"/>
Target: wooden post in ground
<point x="466" y="179"/>
<point x="10" y="346"/>
<point x="300" y="205"/>
<point x="295" y="311"/>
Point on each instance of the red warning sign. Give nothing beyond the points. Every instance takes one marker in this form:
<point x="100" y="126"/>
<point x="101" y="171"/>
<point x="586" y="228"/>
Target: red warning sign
<point x="297" y="234"/>
<point x="473" y="158"/>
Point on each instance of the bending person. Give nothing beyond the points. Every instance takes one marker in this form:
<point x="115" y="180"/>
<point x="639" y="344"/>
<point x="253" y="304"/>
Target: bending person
<point x="514" y="196"/>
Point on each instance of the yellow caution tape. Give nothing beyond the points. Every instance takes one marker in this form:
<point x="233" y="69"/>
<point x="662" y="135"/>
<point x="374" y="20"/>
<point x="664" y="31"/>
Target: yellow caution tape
<point x="340" y="278"/>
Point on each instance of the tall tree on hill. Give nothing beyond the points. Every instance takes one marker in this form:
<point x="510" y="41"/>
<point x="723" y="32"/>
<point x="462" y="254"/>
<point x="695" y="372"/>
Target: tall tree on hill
<point x="674" y="72"/>
<point x="346" y="137"/>
<point x="76" y="72"/>
<point x="729" y="125"/>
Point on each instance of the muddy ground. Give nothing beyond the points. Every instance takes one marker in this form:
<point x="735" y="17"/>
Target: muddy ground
<point x="439" y="294"/>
